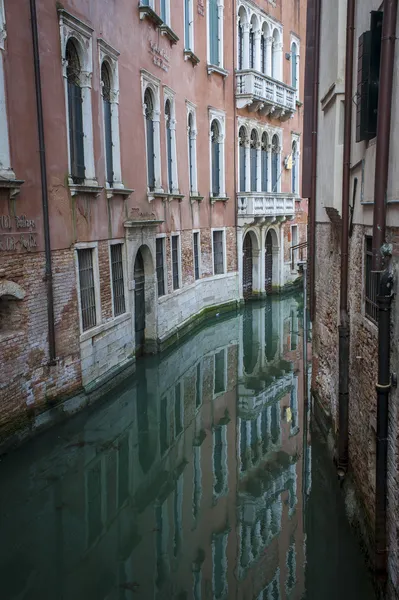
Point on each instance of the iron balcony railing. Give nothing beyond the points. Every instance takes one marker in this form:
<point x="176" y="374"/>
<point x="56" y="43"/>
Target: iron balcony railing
<point x="265" y="204"/>
<point x="275" y="97"/>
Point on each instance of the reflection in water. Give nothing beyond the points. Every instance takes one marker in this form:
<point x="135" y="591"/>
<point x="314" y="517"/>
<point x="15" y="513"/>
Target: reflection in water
<point x="193" y="480"/>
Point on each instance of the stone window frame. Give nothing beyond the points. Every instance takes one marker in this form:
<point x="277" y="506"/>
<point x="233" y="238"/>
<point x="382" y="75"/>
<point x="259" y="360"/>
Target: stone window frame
<point x="178" y="235"/>
<point x="199" y="254"/>
<point x="163" y="236"/>
<point x="82" y="34"/>
<point x="191" y="109"/>
<point x="294" y="39"/>
<point x="296" y="138"/>
<point x="212" y="68"/>
<point x="270" y="130"/>
<point x="89" y="333"/>
<point x="149" y="81"/>
<point x="170" y="95"/>
<point x="109" y="55"/>
<point x="6" y="171"/>
<point x="215" y="114"/>
<point x="114" y="242"/>
<point x="189" y="6"/>
<point x="223" y="229"/>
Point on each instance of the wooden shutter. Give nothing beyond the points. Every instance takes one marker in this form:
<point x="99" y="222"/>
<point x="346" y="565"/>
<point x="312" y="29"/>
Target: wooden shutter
<point x="263" y="54"/>
<point x="187" y="25"/>
<point x="76" y="132"/>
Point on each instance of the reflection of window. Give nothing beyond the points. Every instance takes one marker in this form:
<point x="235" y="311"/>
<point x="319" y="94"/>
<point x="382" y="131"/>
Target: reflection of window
<point x="219" y="547"/>
<point x="164" y="425"/>
<point x="254" y="442"/>
<point x="123" y="470"/>
<point x="264" y="430"/>
<point x="94" y="504"/>
<point x="275" y="423"/>
<point x="220" y="460"/>
<point x="294" y="329"/>
<point x="177" y="513"/>
<point x="291" y="567"/>
<point x="220" y="372"/>
<point x="198" y="387"/>
<point x="178" y="410"/>
<point x="162" y="529"/>
<point x="197" y="488"/>
<point x="243" y="444"/>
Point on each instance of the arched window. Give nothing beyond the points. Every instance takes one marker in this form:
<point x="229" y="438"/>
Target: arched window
<point x="265" y="162"/>
<point x="254" y="160"/>
<point x="106" y="93"/>
<point x="242" y="158"/>
<point x="275" y="161"/>
<point x="276" y="55"/>
<point x="294" y="168"/>
<point x="169" y="157"/>
<point x="263" y="54"/>
<point x="191" y="142"/>
<point x="294" y="63"/>
<point x="149" y="110"/>
<point x="252" y="49"/>
<point x="215" y="143"/>
<point x="75" y="112"/>
<point x="240" y="45"/>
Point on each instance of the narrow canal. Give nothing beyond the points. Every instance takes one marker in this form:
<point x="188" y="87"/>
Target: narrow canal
<point x="196" y="479"/>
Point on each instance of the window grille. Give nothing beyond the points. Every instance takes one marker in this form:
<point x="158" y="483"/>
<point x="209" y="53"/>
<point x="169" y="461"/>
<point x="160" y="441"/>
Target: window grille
<point x="218" y="259"/>
<point x="169" y="145"/>
<point x="214" y="54"/>
<point x="75" y="114"/>
<point x="196" y="254"/>
<point x="265" y="162"/>
<point x="371" y="284"/>
<point x="149" y="108"/>
<point x="275" y="157"/>
<point x="254" y="160"/>
<point x="175" y="261"/>
<point x="243" y="166"/>
<point x="87" y="288"/>
<point x="215" y="159"/>
<point x="160" y="262"/>
<point x="118" y="285"/>
<point x="220" y="372"/>
<point x="106" y="91"/>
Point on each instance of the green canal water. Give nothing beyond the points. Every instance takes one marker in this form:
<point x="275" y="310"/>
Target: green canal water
<point x="199" y="478"/>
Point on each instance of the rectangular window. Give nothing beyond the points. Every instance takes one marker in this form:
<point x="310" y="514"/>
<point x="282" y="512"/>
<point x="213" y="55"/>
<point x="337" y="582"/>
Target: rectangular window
<point x="218" y="254"/>
<point x="188" y="25"/>
<point x="371" y="283"/>
<point x="196" y="254"/>
<point x="87" y="288"/>
<point x="118" y="284"/>
<point x="160" y="261"/>
<point x="175" y="261"/>
<point x="214" y="50"/>
<point x="220" y="372"/>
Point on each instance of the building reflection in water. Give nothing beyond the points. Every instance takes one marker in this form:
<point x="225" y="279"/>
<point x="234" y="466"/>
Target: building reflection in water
<point x="186" y="483"/>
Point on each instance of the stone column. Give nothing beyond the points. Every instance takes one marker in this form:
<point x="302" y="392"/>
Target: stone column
<point x="257" y="58"/>
<point x="90" y="172"/>
<point x="157" y="150"/>
<point x="258" y="167"/>
<point x="269" y="43"/>
<point x="222" y="166"/>
<point x="116" y="147"/>
<point x="220" y="28"/>
<point x="247" y="165"/>
<point x="175" y="182"/>
<point x="240" y="238"/>
<point x="245" y="44"/>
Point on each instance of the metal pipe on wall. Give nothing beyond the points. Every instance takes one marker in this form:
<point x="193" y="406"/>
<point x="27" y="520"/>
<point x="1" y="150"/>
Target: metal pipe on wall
<point x="384" y="298"/>
<point x="43" y="174"/>
<point x="344" y="333"/>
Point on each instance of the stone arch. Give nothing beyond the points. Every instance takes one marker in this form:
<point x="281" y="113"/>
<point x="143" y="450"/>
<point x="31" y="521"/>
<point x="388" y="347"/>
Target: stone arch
<point x="276" y="54"/>
<point x="251" y="278"/>
<point x="272" y="266"/>
<point x="144" y="304"/>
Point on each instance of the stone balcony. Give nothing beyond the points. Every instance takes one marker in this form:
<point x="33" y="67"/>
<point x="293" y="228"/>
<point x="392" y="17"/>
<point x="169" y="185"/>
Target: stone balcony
<point x="265" y="95"/>
<point x="264" y="206"/>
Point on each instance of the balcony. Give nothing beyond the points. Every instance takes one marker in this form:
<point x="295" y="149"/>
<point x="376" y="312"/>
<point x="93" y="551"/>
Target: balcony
<point x="262" y="206"/>
<point x="265" y="95"/>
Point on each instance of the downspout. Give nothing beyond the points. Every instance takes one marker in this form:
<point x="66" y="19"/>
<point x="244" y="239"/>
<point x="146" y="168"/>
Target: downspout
<point x="43" y="174"/>
<point x="315" y="126"/>
<point x="343" y="329"/>
<point x="235" y="134"/>
<point x="381" y="266"/>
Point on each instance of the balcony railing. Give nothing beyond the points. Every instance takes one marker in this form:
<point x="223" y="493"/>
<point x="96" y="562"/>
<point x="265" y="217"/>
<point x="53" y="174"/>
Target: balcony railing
<point x="265" y="205"/>
<point x="265" y="95"/>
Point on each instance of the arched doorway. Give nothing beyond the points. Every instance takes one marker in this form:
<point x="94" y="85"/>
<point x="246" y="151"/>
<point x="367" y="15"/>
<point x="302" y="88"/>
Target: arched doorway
<point x="139" y="302"/>
<point x="247" y="267"/>
<point x="269" y="263"/>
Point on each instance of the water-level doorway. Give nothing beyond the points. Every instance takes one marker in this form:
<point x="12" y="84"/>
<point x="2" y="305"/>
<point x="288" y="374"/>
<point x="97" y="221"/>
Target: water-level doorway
<point x="139" y="302"/>
<point x="247" y="267"/>
<point x="269" y="263"/>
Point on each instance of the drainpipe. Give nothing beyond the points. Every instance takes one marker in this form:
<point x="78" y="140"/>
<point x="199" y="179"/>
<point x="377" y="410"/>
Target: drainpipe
<point x="343" y="329"/>
<point x="381" y="266"/>
<point x="315" y="126"/>
<point x="43" y="174"/>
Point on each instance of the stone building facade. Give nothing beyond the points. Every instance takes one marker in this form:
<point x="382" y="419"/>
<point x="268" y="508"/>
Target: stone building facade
<point x="363" y="313"/>
<point x="139" y="130"/>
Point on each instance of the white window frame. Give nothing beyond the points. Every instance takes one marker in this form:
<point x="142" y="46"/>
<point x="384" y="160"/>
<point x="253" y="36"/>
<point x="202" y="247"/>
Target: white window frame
<point x="151" y="4"/>
<point x="295" y="40"/>
<point x="279" y="134"/>
<point x="199" y="254"/>
<point x="167" y="10"/>
<point x="223" y="229"/>
<point x="109" y="55"/>
<point x="124" y="269"/>
<point x="297" y="139"/>
<point x="97" y="294"/>
<point x="162" y="236"/>
<point x="169" y="94"/>
<point x="277" y="54"/>
<point x="211" y="67"/>
<point x="73" y="28"/>
<point x="192" y="109"/>
<point x="153" y="83"/>
<point x="176" y="234"/>
<point x="6" y="171"/>
<point x="190" y="4"/>
<point x="220" y="117"/>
